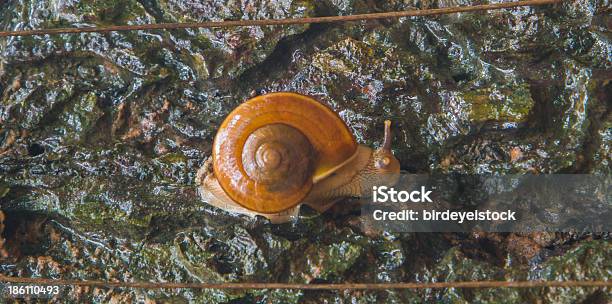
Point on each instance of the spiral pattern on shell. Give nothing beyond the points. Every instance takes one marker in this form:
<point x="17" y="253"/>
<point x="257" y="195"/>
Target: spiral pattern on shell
<point x="278" y="157"/>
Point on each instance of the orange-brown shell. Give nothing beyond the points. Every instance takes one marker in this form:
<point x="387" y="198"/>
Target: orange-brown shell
<point x="331" y="141"/>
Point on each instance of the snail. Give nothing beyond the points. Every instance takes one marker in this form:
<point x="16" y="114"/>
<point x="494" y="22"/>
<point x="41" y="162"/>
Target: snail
<point x="277" y="151"/>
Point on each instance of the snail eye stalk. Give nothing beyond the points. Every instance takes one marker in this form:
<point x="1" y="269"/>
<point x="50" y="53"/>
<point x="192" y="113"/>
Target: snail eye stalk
<point x="388" y="137"/>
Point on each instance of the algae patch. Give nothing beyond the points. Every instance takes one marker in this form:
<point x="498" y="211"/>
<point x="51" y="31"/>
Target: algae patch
<point x="506" y="104"/>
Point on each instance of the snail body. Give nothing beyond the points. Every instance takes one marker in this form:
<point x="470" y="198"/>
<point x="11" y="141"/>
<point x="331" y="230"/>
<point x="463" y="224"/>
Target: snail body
<point x="279" y="150"/>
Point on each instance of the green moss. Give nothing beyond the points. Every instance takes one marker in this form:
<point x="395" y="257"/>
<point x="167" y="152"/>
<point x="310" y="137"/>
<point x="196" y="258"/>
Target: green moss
<point x="111" y="12"/>
<point x="97" y="214"/>
<point x="455" y="267"/>
<point x="589" y="261"/>
<point x="324" y="261"/>
<point x="168" y="262"/>
<point x="510" y="104"/>
<point x="195" y="260"/>
<point x="4" y="189"/>
<point x="347" y="56"/>
<point x="80" y="118"/>
<point x="173" y="158"/>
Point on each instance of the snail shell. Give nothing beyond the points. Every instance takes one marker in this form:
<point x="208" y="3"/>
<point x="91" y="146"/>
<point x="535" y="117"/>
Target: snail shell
<point x="270" y="150"/>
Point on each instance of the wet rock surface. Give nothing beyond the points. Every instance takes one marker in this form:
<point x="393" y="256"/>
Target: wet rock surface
<point x="101" y="136"/>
